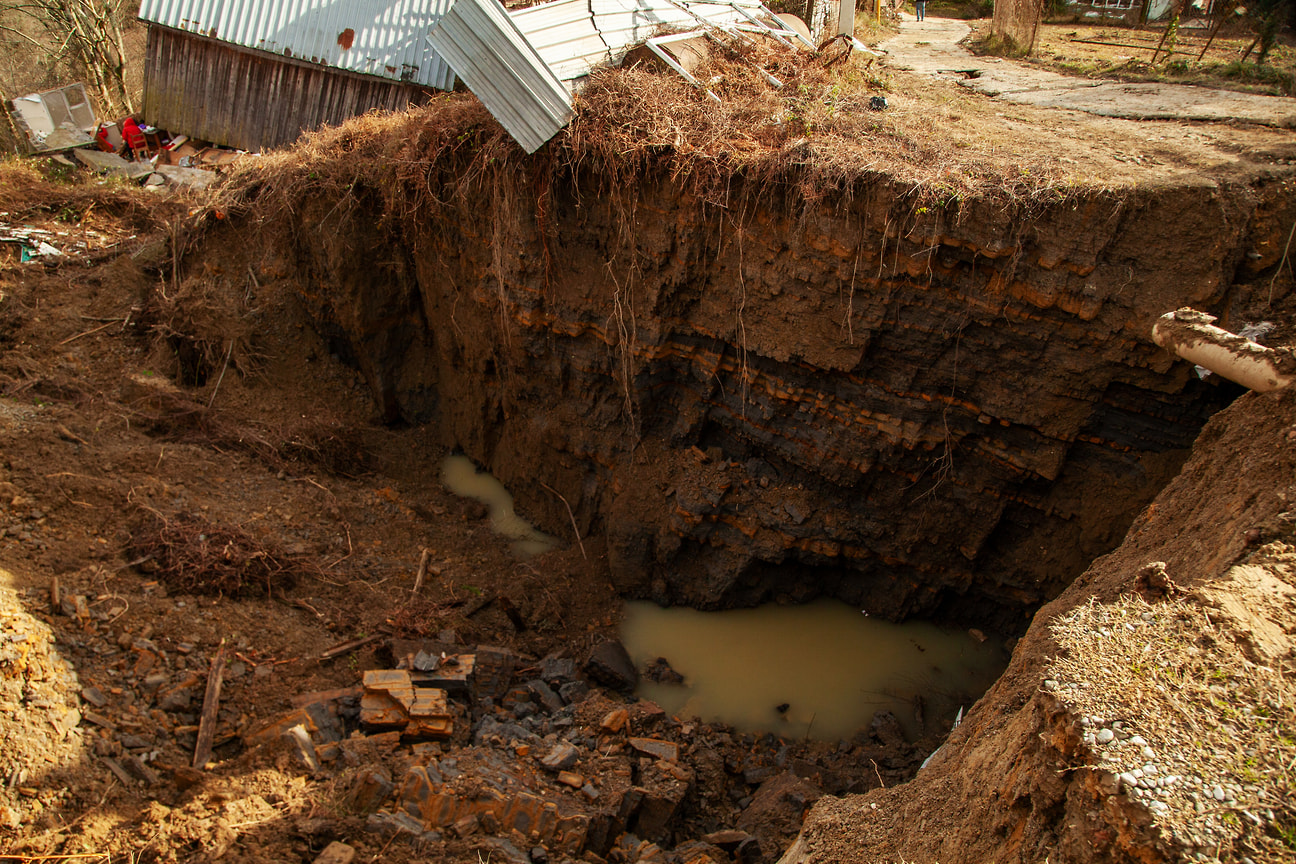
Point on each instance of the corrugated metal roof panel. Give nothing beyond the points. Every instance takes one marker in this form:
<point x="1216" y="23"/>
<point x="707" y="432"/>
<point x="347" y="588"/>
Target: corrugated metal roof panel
<point x="385" y="38"/>
<point x="489" y="52"/>
<point x="564" y="35"/>
<point x="574" y="36"/>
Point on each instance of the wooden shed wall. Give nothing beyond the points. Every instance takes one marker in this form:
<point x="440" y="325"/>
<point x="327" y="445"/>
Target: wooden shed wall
<point x="250" y="99"/>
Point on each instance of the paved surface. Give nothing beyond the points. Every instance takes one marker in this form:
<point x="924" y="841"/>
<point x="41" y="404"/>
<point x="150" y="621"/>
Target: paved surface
<point x="931" y="47"/>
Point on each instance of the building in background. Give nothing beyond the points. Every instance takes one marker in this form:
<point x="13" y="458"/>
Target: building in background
<point x="255" y="75"/>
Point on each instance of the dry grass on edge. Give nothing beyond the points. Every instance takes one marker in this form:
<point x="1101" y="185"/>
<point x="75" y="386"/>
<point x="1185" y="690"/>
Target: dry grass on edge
<point x="815" y="135"/>
<point x="818" y="130"/>
<point x="1179" y="694"/>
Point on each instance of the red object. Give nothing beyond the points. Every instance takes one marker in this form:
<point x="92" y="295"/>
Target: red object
<point x="101" y="140"/>
<point x="134" y="137"/>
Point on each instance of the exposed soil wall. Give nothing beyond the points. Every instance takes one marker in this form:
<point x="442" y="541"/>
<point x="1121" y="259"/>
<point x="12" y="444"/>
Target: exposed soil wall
<point x="921" y="407"/>
<point x="1016" y="781"/>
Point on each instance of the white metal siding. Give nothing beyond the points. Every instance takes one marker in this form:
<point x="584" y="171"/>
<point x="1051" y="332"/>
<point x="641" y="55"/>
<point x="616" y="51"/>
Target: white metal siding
<point x="574" y="36"/>
<point x="388" y="37"/>
<point x="489" y="52"/>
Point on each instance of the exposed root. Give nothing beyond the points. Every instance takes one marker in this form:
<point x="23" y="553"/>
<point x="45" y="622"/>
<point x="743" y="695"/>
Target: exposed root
<point x="195" y="556"/>
<point x="420" y="618"/>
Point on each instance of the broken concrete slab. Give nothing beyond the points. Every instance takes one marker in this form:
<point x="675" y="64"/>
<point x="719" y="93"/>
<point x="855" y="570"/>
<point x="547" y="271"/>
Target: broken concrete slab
<point x="112" y="164"/>
<point x="192" y="178"/>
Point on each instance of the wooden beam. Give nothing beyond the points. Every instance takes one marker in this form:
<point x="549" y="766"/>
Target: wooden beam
<point x="211" y="704"/>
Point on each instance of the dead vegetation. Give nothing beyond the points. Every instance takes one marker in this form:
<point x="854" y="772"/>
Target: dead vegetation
<point x="195" y="556"/>
<point x="815" y="134"/>
<point x="64" y="195"/>
<point x="420" y="618"/>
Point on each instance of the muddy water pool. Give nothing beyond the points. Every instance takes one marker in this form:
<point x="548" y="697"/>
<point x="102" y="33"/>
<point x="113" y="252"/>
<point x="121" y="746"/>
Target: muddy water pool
<point x="461" y="477"/>
<point x="829" y="664"/>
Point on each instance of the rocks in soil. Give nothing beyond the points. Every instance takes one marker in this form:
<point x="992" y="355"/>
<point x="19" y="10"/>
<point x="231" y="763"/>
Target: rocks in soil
<point x="776" y="811"/>
<point x="660" y="671"/>
<point x="609" y="665"/>
<point x="614" y="721"/>
<point x="886" y="729"/>
<point x="336" y="853"/>
<point x="370" y="790"/>
<point x="657" y="749"/>
<point x="601" y="775"/>
<point x="544" y="694"/>
<point x="561" y="757"/>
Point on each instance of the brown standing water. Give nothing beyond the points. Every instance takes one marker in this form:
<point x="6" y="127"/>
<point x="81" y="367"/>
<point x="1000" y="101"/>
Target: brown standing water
<point x="829" y="663"/>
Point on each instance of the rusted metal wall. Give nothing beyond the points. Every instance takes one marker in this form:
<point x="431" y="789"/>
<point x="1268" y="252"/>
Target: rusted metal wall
<point x="251" y="100"/>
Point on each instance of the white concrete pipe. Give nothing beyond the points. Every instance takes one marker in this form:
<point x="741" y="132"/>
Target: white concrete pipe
<point x="1193" y="336"/>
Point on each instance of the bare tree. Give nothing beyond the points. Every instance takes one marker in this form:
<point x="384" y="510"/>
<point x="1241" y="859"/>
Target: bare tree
<point x="85" y="34"/>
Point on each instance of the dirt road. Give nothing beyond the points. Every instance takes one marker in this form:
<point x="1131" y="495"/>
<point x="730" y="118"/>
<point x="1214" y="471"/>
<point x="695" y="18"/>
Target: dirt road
<point x="931" y="47"/>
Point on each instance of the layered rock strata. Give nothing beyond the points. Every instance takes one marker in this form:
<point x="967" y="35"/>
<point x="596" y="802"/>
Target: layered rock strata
<point x="923" y="410"/>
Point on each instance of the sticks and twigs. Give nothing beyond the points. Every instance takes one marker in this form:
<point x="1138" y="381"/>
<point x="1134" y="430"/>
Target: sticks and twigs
<point x="211" y="704"/>
<point x="1278" y="269"/>
<point x="422" y="571"/>
<point x="216" y="389"/>
<point x="349" y="646"/>
<point x="94" y="330"/>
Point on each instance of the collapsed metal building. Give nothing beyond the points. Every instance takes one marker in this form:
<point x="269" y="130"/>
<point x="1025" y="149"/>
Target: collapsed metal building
<point x="251" y="75"/>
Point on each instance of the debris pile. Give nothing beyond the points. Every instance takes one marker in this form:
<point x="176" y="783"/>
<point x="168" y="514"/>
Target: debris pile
<point x="392" y="700"/>
<point x="452" y="750"/>
<point x="62" y="122"/>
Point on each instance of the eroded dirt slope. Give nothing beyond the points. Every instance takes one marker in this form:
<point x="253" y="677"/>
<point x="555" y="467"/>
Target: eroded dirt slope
<point x="743" y="386"/>
<point x="757" y="394"/>
<point x="1026" y="777"/>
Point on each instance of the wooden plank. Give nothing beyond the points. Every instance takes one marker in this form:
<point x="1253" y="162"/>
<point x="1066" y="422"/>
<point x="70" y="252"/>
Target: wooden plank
<point x="211" y="704"/>
<point x="349" y="646"/>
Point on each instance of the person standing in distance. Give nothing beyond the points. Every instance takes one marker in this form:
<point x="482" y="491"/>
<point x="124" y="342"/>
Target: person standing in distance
<point x="920" y="9"/>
